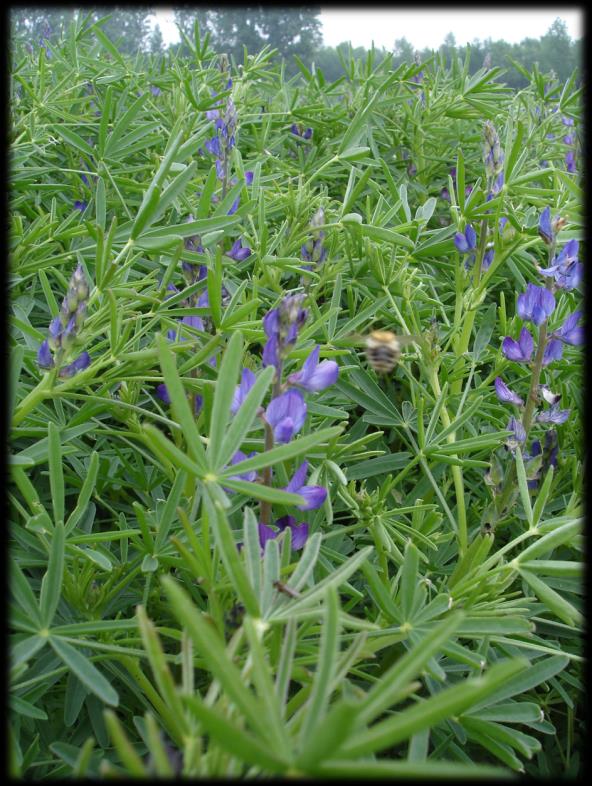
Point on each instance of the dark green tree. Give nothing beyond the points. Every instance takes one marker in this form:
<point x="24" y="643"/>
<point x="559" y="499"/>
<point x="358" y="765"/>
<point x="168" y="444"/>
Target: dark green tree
<point x="156" y="42"/>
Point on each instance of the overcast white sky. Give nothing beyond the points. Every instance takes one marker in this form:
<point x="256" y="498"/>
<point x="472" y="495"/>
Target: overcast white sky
<point x="427" y="27"/>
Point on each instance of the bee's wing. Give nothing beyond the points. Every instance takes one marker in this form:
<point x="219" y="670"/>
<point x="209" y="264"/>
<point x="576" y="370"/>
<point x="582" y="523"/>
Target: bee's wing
<point x="404" y="341"/>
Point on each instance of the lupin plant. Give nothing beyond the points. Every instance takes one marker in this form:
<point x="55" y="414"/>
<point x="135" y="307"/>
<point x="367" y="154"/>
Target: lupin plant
<point x="64" y="329"/>
<point x="237" y="549"/>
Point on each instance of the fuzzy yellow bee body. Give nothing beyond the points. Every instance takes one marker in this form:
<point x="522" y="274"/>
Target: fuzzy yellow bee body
<point x="383" y="349"/>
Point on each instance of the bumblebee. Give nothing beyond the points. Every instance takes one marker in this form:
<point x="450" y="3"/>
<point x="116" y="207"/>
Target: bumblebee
<point x="383" y="349"/>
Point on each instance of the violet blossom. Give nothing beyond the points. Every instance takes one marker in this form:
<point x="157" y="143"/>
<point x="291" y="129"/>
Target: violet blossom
<point x="521" y="350"/>
<point x="315" y="376"/>
<point x="314" y="496"/>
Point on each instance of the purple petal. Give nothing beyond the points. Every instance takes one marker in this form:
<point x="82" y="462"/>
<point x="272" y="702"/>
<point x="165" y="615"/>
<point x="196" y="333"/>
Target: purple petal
<point x="545" y="230"/>
<point x="526" y="344"/>
<point x="266" y="533"/>
<point x="290" y="404"/>
<point x="460" y="242"/>
<point x="505" y="394"/>
<point x="299" y="536"/>
<point x="298" y="478"/>
<point x="314" y="496"/>
<point x="284" y="431"/>
<point x="163" y="393"/>
<point x="553" y="351"/>
<point x="44" y="356"/>
<point x="553" y="415"/>
<point x="249" y="177"/>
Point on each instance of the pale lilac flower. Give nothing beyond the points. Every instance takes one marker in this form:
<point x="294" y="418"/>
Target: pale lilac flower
<point x="315" y="376"/>
<point x="286" y="415"/>
<point x="505" y="394"/>
<point x="570" y="332"/>
<point x="314" y="496"/>
<point x="553" y="351"/>
<point x="521" y="350"/>
<point x="519" y="434"/>
<point x="44" y="356"/>
<point x="553" y="415"/>
<point x="466" y="242"/>
<point x="548" y="395"/>
<point x="81" y="362"/>
<point x="238" y="252"/>
<point x="565" y="268"/>
<point x="536" y="304"/>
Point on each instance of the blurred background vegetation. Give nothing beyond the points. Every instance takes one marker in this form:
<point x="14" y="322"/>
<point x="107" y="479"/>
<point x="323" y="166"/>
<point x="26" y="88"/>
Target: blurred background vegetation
<point x="293" y="31"/>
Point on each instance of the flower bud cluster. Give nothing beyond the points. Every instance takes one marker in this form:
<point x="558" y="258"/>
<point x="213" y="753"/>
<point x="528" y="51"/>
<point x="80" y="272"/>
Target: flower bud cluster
<point x="65" y="327"/>
<point x="313" y="250"/>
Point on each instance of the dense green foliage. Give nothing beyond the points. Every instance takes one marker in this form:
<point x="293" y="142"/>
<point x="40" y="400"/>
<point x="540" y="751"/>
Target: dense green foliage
<point x="425" y="631"/>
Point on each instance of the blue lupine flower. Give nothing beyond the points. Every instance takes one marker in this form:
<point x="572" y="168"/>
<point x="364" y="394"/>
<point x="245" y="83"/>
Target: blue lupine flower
<point x="286" y="415"/>
<point x="44" y="356"/>
<point x="521" y="350"/>
<point x="504" y="393"/>
<point x="239" y="252"/>
<point x="565" y="268"/>
<point x="567" y="121"/>
<point x="445" y="194"/>
<point x="297" y="131"/>
<point x="241" y="392"/>
<point x="299" y="532"/>
<point x="569" y="139"/>
<point x="553" y="351"/>
<point x="487" y="259"/>
<point x="536" y="304"/>
<point x="81" y="362"/>
<point x="155" y="90"/>
<point x="79" y="204"/>
<point x="315" y="376"/>
<point x="570" y="161"/>
<point x="570" y="332"/>
<point x="553" y="415"/>
<point x="466" y="242"/>
<point x="314" y="496"/>
<point x="545" y="228"/>
<point x="249" y="177"/>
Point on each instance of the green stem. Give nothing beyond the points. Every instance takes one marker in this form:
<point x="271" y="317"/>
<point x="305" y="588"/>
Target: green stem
<point x="40" y="392"/>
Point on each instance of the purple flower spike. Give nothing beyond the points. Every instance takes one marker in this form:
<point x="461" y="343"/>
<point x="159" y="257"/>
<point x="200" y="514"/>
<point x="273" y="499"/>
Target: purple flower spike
<point x="505" y="394"/>
<point x="307" y="133"/>
<point x="286" y="415"/>
<point x="314" y="496"/>
<point x="570" y="161"/>
<point x="553" y="351"/>
<point x="238" y="252"/>
<point x="271" y="355"/>
<point x="44" y="356"/>
<point x="247" y="381"/>
<point x="521" y="350"/>
<point x="570" y="332"/>
<point x="553" y="415"/>
<point x="315" y="376"/>
<point x="466" y="242"/>
<point x="249" y="178"/>
<point x="536" y="304"/>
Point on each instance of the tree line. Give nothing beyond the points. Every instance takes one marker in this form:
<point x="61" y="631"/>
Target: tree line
<point x="293" y="32"/>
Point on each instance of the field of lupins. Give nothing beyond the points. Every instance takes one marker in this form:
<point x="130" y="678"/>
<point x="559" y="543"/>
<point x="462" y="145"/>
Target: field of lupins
<point x="236" y="548"/>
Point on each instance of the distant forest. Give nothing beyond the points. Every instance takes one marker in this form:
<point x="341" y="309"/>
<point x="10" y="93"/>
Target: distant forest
<point x="296" y="35"/>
